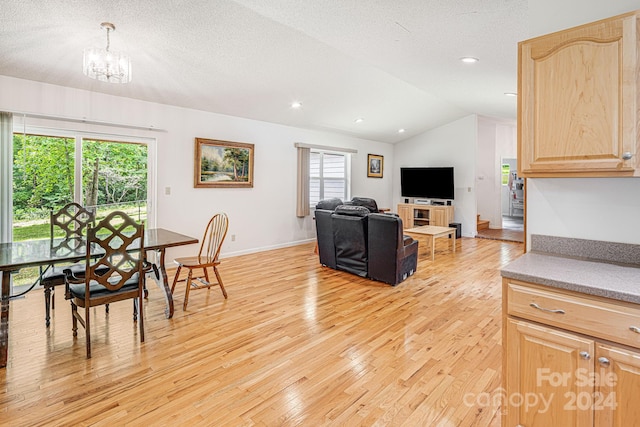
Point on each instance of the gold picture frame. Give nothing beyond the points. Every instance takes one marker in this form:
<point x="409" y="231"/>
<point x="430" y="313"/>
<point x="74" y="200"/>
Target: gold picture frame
<point x="222" y="164"/>
<point x="375" y="165"/>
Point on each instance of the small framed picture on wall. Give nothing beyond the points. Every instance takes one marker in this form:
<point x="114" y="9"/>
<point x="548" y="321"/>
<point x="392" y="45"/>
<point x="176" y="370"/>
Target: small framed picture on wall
<point x="375" y="165"/>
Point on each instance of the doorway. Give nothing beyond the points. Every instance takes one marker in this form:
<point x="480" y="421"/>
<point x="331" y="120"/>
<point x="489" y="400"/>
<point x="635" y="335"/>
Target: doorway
<point x="512" y="205"/>
<point x="512" y="196"/>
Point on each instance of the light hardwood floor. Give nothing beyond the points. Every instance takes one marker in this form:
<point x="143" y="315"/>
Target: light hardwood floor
<point x="295" y="344"/>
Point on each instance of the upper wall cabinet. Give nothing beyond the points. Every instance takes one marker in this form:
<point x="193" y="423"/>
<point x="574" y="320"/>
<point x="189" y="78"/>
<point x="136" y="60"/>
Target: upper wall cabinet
<point x="578" y="104"/>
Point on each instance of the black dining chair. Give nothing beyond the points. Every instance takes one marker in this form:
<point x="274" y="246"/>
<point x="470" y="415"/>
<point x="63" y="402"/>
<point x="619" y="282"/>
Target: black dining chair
<point x="72" y="221"/>
<point x="114" y="271"/>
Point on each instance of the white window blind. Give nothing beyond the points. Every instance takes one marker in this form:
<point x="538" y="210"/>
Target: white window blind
<point x="328" y="176"/>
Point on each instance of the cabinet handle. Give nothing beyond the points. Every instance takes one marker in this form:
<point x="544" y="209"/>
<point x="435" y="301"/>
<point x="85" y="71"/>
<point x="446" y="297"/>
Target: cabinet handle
<point x="626" y="155"/>
<point x="548" y="310"/>
<point x="634" y="329"/>
<point x="604" y="361"/>
<point x="585" y="355"/>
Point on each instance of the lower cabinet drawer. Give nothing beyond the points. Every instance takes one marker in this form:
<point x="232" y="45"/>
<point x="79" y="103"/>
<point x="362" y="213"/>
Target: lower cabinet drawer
<point x="607" y="319"/>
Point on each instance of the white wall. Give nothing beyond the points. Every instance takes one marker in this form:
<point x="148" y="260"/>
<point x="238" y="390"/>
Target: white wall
<point x="547" y="16"/>
<point x="454" y="145"/>
<point x="262" y="217"/>
<point x="587" y="208"/>
<point x="600" y="209"/>
<point x="487" y="192"/>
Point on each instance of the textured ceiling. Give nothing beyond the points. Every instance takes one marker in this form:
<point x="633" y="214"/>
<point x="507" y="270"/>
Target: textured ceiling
<point x="394" y="63"/>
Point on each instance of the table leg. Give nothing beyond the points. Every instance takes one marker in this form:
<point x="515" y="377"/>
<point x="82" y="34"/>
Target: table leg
<point x="4" y="318"/>
<point x="168" y="311"/>
<point x="433" y="247"/>
<point x="453" y="240"/>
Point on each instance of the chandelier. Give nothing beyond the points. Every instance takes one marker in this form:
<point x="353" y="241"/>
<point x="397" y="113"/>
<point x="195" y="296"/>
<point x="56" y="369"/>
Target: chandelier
<point x="106" y="65"/>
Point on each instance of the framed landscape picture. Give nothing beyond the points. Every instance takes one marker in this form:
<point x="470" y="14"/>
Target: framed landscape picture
<point x="375" y="164"/>
<point x="223" y="164"/>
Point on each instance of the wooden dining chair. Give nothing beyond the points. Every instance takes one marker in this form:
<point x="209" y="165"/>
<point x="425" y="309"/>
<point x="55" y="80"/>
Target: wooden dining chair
<point x="116" y="274"/>
<point x="72" y="220"/>
<point x="207" y="258"/>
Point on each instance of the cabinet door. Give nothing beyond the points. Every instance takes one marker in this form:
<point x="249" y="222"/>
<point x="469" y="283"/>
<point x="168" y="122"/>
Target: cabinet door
<point x="405" y="212"/>
<point x="439" y="217"/>
<point x="578" y="101"/>
<point x="617" y="380"/>
<point x="544" y="370"/>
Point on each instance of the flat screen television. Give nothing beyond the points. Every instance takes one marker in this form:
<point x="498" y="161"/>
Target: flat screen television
<point x="427" y="183"/>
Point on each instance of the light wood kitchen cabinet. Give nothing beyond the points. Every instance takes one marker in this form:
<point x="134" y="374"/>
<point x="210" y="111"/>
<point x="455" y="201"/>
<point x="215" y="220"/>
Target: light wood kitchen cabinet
<point x="542" y="377"/>
<point x="415" y="215"/>
<point x="569" y="359"/>
<point x="578" y="101"/>
<point x="619" y="380"/>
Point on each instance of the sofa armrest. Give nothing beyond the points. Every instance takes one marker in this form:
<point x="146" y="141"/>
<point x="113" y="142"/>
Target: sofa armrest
<point x="392" y="256"/>
<point x="324" y="235"/>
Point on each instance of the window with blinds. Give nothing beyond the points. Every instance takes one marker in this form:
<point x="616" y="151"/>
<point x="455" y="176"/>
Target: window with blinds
<point x="328" y="176"/>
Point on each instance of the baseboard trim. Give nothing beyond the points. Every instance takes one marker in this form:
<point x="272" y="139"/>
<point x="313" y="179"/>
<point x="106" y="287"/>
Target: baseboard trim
<point x="266" y="248"/>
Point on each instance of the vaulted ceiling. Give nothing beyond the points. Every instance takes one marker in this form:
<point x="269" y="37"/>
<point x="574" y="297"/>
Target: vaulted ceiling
<point x="393" y="63"/>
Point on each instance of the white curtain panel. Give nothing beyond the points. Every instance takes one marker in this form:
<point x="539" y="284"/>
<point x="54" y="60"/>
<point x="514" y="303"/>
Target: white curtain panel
<point x="6" y="176"/>
<point x="302" y="203"/>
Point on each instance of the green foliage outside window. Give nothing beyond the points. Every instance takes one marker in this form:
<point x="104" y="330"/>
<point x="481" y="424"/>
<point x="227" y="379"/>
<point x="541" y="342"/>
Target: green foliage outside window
<point x="113" y="172"/>
<point x="42" y="175"/>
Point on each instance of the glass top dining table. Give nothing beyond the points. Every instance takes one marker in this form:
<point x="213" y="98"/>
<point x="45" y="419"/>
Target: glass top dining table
<point x="31" y="253"/>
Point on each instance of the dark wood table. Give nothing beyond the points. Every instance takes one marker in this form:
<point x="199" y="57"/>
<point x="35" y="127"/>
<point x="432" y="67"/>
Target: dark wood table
<point x="32" y="253"/>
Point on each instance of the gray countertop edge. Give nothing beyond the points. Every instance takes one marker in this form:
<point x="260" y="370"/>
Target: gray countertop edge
<point x="584" y="276"/>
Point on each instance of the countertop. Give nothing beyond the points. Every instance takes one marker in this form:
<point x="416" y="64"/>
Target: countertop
<point x="546" y="265"/>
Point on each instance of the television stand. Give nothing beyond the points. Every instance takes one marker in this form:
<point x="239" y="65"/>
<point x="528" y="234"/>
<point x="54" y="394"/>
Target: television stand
<point x="416" y="214"/>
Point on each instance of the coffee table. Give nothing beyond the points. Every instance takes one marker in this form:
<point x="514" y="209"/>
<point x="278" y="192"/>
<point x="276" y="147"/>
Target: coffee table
<point x="435" y="232"/>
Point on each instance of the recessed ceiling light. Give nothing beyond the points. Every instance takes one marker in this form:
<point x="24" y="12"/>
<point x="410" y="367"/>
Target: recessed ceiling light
<point x="359" y="120"/>
<point x="401" y="130"/>
<point x="469" y="59"/>
<point x="296" y="104"/>
<point x="511" y="94"/>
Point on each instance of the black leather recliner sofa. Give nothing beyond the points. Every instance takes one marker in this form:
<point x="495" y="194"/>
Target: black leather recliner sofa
<point x="352" y="239"/>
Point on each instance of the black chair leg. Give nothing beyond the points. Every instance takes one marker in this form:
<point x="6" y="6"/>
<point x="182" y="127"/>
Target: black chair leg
<point x="87" y="328"/>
